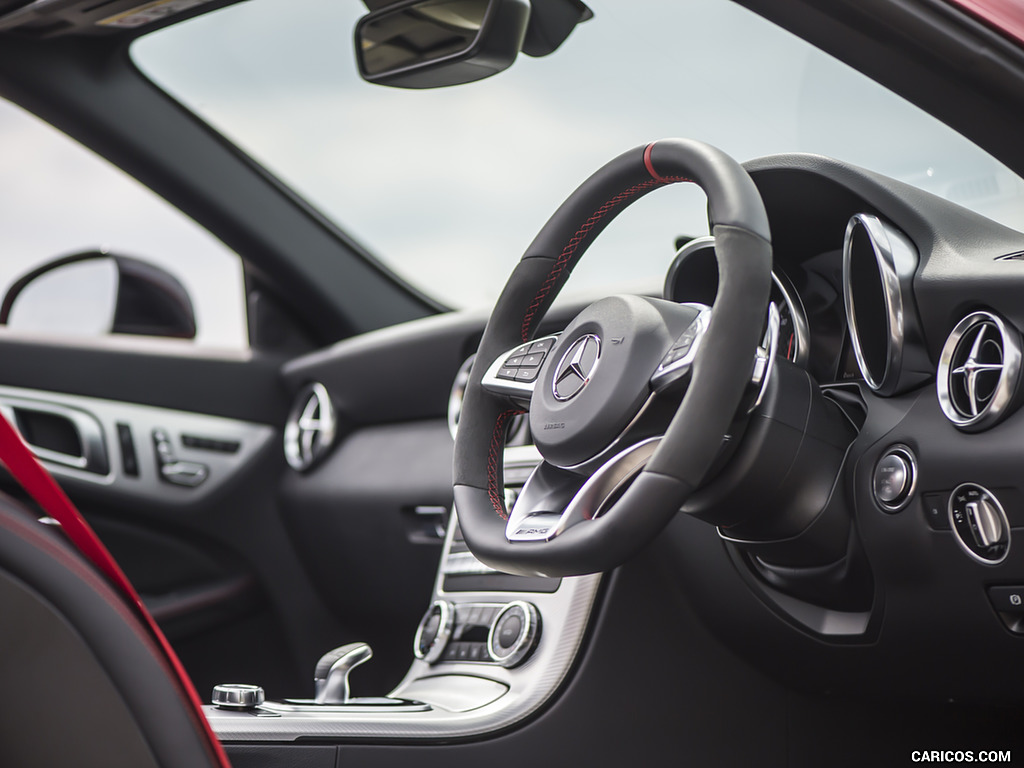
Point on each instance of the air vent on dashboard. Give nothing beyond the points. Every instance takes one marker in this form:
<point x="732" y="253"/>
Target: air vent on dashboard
<point x="979" y="371"/>
<point x="311" y="427"/>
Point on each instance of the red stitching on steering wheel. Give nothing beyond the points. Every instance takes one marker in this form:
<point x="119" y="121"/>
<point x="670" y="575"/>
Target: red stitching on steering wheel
<point x="497" y="443"/>
<point x="569" y="252"/>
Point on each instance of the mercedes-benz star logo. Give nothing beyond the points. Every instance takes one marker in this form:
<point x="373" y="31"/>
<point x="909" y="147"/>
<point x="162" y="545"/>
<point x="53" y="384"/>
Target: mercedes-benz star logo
<point x="977" y="364"/>
<point x="576" y="367"/>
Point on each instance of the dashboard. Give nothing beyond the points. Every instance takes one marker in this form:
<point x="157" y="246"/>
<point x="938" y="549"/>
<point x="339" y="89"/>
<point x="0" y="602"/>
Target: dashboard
<point x="903" y="310"/>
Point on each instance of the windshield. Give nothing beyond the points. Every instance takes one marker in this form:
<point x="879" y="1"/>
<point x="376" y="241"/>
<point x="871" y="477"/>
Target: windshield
<point x="447" y="187"/>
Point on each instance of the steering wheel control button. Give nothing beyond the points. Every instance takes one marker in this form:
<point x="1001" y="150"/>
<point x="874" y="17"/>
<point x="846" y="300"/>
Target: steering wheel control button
<point x="980" y="523"/>
<point x="434" y="632"/>
<point x="677" y="361"/>
<point x="515" y="373"/>
<point x="237" y="696"/>
<point x="514" y="634"/>
<point x="894" y="478"/>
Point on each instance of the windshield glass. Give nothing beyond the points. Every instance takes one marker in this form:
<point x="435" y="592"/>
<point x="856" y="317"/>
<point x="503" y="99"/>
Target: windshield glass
<point x="447" y="187"/>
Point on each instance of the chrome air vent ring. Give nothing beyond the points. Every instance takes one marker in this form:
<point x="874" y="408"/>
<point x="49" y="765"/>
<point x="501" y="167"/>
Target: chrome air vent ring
<point x="979" y="371"/>
<point x="311" y="428"/>
<point x="879" y="264"/>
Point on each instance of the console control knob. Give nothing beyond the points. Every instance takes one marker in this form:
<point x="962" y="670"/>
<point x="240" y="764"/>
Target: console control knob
<point x="514" y="633"/>
<point x="434" y="632"/>
<point x="330" y="679"/>
<point x="894" y="478"/>
<point x="979" y="522"/>
<point x="238" y="696"/>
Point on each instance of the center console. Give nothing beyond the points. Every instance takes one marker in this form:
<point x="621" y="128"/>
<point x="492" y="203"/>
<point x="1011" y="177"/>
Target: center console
<point x="491" y="649"/>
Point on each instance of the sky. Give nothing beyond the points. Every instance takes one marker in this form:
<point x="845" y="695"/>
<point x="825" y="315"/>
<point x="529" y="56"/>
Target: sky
<point x="449" y="186"/>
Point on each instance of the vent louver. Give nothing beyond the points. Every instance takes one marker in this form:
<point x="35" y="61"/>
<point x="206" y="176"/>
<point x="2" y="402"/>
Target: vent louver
<point x="979" y="370"/>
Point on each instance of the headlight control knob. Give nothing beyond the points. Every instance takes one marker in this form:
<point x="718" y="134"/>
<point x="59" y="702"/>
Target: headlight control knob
<point x="980" y="524"/>
<point x="894" y="478"/>
<point x="514" y="633"/>
<point x="434" y="632"/>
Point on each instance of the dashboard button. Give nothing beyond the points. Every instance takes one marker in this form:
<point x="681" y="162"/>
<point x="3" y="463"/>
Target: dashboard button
<point x="514" y="634"/>
<point x="434" y="632"/>
<point x="894" y="478"/>
<point x="935" y="511"/>
<point x="979" y="522"/>
<point x="1007" y="599"/>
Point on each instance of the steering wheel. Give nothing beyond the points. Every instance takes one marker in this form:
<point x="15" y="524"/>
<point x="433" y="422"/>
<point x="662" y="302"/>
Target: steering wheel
<point x="605" y="488"/>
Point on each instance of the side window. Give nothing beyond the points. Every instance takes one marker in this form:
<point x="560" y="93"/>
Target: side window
<point x="133" y="263"/>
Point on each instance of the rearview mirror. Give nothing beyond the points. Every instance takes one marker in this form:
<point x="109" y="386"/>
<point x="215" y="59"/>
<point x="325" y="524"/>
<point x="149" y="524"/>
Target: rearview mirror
<point x="433" y="43"/>
<point x="96" y="293"/>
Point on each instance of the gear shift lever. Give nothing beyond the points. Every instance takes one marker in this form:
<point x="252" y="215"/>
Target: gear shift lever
<point x="331" y="675"/>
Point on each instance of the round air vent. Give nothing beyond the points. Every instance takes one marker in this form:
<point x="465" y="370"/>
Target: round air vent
<point x="879" y="264"/>
<point x="979" y="371"/>
<point x="311" y="428"/>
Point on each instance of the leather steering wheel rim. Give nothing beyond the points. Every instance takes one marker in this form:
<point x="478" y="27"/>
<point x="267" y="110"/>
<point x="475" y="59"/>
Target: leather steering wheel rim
<point x="720" y="373"/>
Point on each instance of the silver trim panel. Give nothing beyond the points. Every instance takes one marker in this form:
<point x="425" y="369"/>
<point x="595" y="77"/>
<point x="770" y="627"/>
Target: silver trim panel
<point x="143" y="421"/>
<point x="511" y="694"/>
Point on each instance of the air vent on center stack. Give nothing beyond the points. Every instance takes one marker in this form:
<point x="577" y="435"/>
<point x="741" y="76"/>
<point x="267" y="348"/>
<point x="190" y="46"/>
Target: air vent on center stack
<point x="979" y="372"/>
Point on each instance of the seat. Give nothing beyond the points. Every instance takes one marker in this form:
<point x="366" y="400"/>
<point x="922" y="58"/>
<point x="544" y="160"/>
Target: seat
<point x="84" y="682"/>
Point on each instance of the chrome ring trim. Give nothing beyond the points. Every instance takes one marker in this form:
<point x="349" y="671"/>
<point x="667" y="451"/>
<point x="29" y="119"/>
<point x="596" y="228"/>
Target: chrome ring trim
<point x="904" y="452"/>
<point x="1003" y="519"/>
<point x="797" y="316"/>
<point x="896" y="259"/>
<point x="445" y="626"/>
<point x="1006" y="388"/>
<point x="311" y="427"/>
<point x="527" y="636"/>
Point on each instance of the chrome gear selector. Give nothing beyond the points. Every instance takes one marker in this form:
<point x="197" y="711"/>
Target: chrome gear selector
<point x="331" y="675"/>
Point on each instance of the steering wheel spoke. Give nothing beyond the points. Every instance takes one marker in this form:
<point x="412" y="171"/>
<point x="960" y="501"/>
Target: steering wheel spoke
<point x="516" y="372"/>
<point x="554" y="500"/>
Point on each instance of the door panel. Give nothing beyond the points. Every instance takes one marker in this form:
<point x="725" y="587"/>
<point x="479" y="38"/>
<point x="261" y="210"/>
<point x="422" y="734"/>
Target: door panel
<point x="212" y="557"/>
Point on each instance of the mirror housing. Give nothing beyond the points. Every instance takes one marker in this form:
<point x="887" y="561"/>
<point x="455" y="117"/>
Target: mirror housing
<point x="95" y="293"/>
<point x="434" y="43"/>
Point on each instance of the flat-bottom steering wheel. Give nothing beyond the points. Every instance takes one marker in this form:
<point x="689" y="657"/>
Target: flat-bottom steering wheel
<point x="600" y="494"/>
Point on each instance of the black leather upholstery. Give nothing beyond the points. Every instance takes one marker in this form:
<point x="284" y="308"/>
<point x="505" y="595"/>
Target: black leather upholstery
<point x="82" y="681"/>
